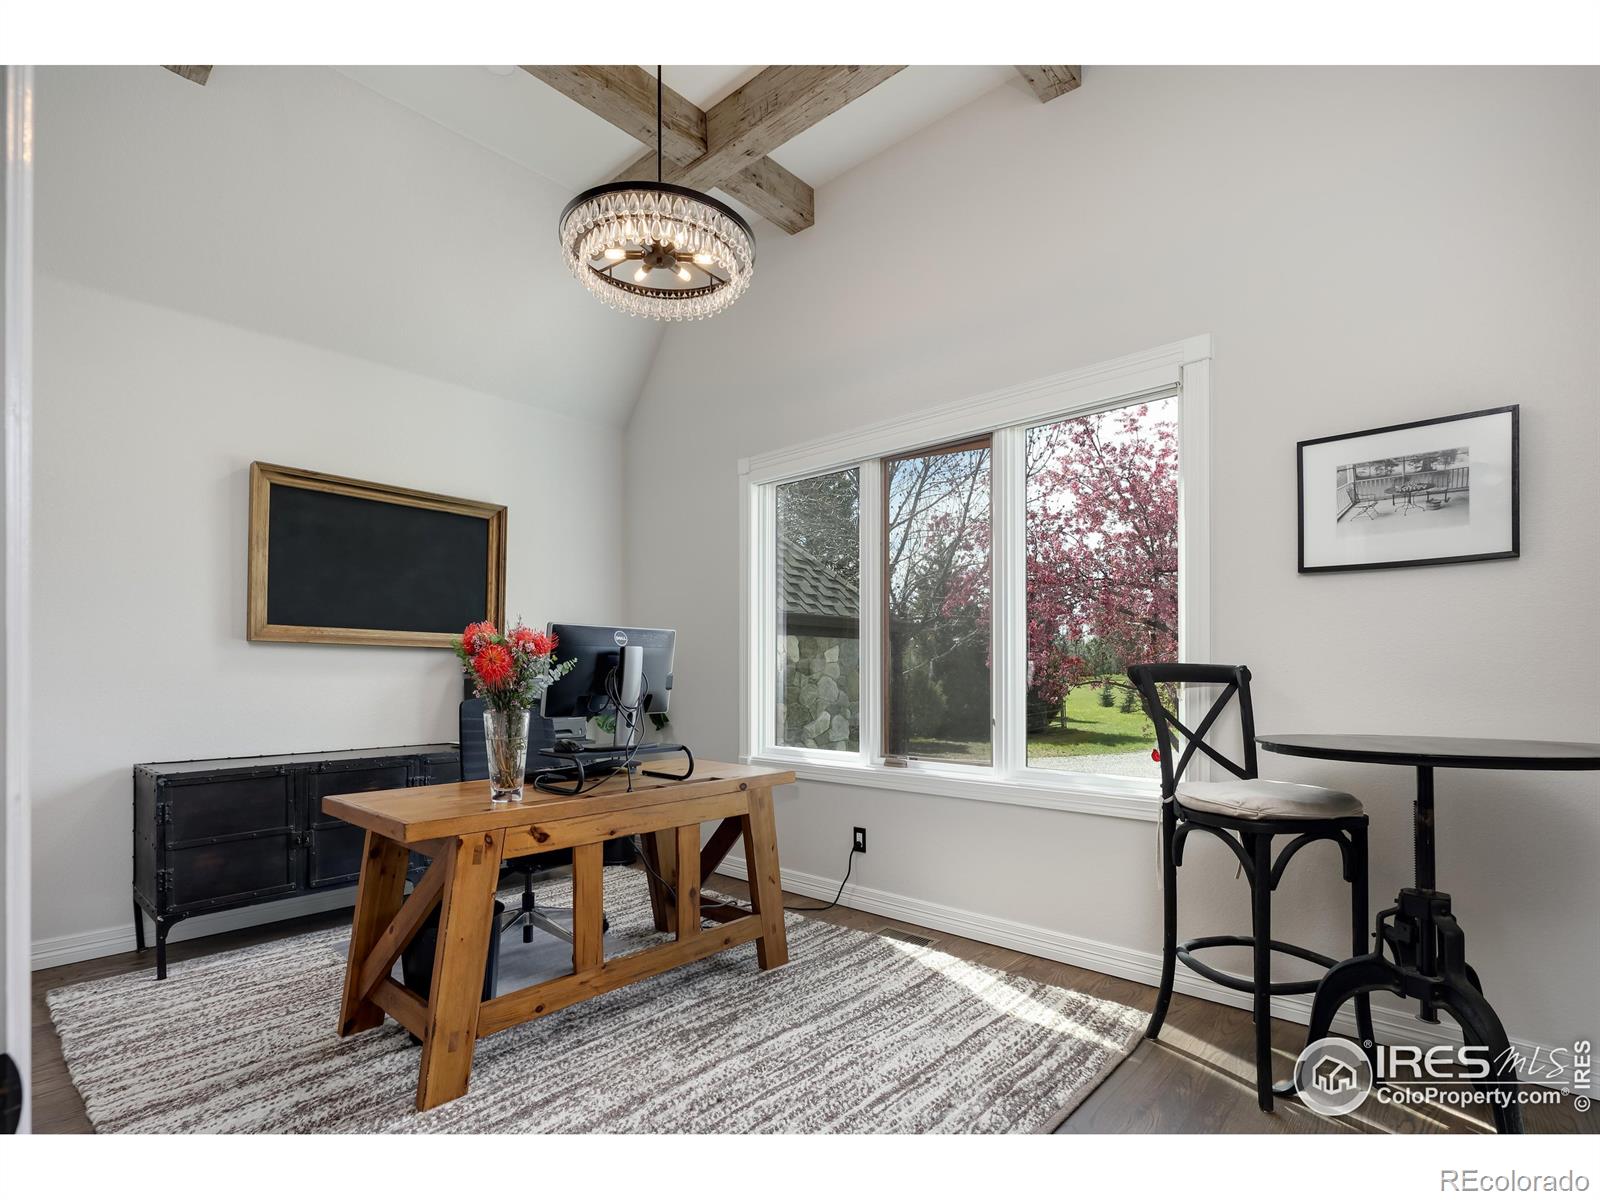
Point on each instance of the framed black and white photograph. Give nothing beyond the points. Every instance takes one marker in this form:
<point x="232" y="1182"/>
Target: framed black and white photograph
<point x="1419" y="494"/>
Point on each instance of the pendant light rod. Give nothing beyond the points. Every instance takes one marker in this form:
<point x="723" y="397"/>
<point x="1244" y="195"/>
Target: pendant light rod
<point x="658" y="123"/>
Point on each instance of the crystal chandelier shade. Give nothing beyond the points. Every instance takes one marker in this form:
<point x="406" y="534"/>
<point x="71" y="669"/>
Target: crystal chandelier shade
<point x="658" y="250"/>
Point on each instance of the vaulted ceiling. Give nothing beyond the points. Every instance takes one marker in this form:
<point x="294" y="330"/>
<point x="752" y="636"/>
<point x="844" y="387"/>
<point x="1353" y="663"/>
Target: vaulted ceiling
<point x="788" y="130"/>
<point x="407" y="215"/>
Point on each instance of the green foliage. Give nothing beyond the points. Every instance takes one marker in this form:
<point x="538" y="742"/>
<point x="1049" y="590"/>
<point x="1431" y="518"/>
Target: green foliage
<point x="1106" y="699"/>
<point x="1100" y="657"/>
<point x="607" y="722"/>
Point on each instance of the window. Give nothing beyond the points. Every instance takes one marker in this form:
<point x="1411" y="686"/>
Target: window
<point x="936" y="580"/>
<point x="949" y="603"/>
<point x="1102" y="579"/>
<point x="818" y="555"/>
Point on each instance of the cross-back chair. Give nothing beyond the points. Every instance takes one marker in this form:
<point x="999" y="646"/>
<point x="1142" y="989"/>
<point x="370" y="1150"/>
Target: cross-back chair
<point x="1358" y="507"/>
<point x="1246" y="813"/>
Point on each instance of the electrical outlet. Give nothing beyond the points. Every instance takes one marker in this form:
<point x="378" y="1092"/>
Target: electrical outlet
<point x="860" y="843"/>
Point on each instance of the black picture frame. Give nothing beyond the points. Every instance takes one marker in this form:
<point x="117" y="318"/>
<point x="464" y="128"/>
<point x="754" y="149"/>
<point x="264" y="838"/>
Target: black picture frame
<point x="1515" y="550"/>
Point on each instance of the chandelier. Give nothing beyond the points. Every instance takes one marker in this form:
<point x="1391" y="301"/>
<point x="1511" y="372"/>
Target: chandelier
<point x="657" y="250"/>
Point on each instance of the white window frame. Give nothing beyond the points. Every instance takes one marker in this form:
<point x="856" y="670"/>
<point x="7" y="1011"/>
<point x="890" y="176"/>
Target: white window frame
<point x="1180" y="368"/>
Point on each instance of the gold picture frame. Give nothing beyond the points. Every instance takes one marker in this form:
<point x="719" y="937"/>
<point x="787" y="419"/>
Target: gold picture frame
<point x="264" y="476"/>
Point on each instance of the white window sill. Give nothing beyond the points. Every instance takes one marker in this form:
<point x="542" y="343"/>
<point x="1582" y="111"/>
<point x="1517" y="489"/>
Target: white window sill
<point x="1103" y="796"/>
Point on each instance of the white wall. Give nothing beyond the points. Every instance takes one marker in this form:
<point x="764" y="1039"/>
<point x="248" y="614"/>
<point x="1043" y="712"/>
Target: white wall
<point x="280" y="266"/>
<point x="147" y="421"/>
<point x="1366" y="247"/>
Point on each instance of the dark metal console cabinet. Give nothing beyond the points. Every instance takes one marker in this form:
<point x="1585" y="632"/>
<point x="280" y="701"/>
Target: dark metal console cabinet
<point x="222" y="833"/>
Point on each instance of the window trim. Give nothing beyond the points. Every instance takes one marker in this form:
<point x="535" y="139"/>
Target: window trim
<point x="1006" y="414"/>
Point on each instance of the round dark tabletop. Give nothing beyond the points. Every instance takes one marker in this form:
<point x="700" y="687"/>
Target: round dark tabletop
<point x="1493" y="754"/>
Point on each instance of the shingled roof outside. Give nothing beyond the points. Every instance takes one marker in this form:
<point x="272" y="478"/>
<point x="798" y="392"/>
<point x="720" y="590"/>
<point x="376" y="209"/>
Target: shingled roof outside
<point x="809" y="587"/>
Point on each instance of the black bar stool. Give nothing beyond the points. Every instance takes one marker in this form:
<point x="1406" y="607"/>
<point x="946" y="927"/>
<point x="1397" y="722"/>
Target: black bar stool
<point x="1246" y="813"/>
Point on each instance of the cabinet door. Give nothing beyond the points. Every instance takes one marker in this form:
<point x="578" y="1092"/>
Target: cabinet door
<point x="334" y="855"/>
<point x="441" y="768"/>
<point x="338" y="779"/>
<point x="227" y="805"/>
<point x="238" y="870"/>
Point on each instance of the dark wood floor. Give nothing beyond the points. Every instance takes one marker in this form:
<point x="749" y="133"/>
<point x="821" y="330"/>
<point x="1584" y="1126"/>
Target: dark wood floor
<point x="1197" y="1079"/>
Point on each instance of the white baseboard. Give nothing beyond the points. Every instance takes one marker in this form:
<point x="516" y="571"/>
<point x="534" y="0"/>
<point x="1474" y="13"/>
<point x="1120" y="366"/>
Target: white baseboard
<point x="118" y="939"/>
<point x="1141" y="966"/>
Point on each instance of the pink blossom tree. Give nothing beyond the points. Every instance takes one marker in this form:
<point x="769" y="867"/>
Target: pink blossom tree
<point x="1102" y="547"/>
<point x="1102" y="535"/>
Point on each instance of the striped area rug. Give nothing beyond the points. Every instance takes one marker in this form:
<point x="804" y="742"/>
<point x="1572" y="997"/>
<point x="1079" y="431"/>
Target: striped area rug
<point x="858" y="1034"/>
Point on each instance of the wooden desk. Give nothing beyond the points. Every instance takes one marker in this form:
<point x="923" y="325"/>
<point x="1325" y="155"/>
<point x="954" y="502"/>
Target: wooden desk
<point x="467" y="837"/>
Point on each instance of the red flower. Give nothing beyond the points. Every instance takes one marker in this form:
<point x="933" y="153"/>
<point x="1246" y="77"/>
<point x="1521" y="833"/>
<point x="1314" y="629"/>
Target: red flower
<point x="531" y="641"/>
<point x="494" y="666"/>
<point x="476" y="636"/>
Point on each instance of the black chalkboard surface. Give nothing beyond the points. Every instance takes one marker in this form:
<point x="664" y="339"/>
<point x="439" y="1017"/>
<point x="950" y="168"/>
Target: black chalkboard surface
<point x="342" y="560"/>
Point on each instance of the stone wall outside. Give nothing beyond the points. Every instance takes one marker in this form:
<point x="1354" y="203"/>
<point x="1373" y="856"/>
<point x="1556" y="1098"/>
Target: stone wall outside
<point x="820" y="692"/>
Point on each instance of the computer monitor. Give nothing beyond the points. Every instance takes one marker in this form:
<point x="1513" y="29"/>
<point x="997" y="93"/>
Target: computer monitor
<point x="610" y="662"/>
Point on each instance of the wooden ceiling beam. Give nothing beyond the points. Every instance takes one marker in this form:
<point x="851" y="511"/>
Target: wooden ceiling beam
<point x="192" y="74"/>
<point x="776" y="106"/>
<point x="626" y="97"/>
<point x="726" y="147"/>
<point x="773" y="190"/>
<point x="1049" y="82"/>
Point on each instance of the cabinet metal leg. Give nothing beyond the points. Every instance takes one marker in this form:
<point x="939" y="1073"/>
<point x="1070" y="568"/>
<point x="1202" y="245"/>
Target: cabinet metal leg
<point x="161" y="950"/>
<point x="138" y="927"/>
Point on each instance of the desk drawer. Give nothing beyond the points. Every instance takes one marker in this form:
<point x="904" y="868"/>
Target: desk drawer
<point x="227" y="806"/>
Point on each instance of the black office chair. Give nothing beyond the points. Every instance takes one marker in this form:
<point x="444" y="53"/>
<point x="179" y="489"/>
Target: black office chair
<point x="1246" y="813"/>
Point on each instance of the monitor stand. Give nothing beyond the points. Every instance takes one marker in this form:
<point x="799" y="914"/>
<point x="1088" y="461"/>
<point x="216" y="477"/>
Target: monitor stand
<point x="581" y="769"/>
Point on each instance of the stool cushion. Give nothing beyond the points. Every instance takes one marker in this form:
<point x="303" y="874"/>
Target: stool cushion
<point x="1267" y="799"/>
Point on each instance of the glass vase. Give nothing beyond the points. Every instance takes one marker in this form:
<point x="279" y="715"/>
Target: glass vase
<point x="505" y="736"/>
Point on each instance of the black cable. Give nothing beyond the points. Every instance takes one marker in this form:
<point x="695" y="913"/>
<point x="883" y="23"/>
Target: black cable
<point x="632" y="715"/>
<point x="849" y="865"/>
<point x="638" y="848"/>
<point x="672" y="892"/>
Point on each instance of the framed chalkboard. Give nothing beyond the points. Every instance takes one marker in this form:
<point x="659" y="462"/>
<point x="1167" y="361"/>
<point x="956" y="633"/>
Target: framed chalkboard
<point x="342" y="560"/>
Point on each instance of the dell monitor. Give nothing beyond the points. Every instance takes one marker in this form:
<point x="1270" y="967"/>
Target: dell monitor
<point x="613" y="666"/>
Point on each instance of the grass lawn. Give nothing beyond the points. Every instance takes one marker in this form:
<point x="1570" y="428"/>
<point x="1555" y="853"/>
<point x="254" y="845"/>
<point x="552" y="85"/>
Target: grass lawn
<point x="1089" y="729"/>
